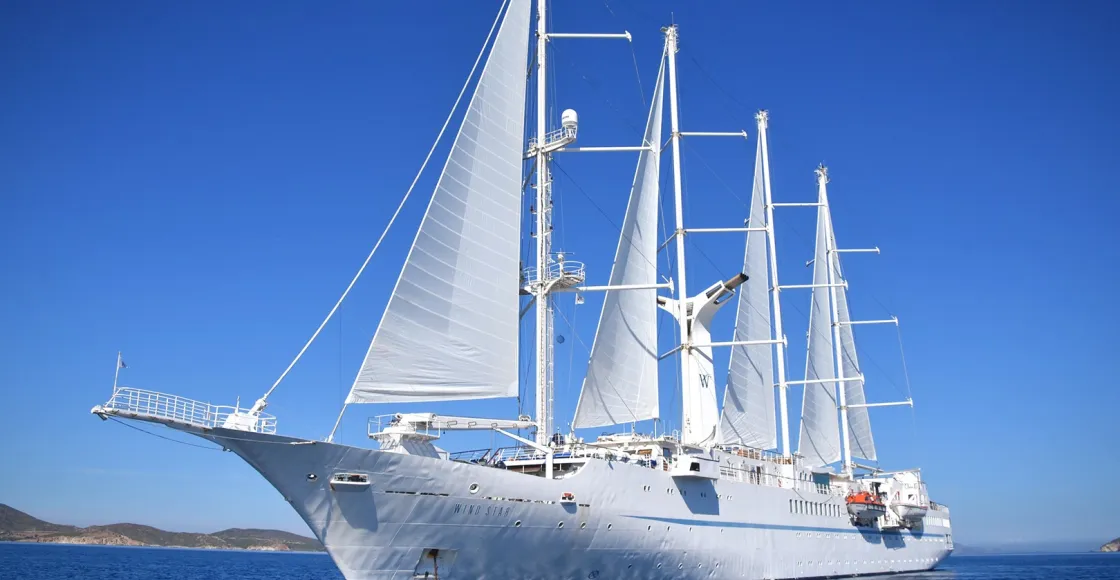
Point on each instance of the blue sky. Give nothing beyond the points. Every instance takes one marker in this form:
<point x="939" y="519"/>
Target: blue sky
<point x="194" y="184"/>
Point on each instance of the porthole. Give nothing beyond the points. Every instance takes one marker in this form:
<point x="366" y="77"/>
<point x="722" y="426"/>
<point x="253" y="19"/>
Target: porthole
<point x="517" y="524"/>
<point x="680" y="566"/>
<point x="473" y="488"/>
<point x="649" y="528"/>
<point x="583" y="525"/>
<point x="609" y="526"/>
<point x="658" y="565"/>
<point x="312" y="477"/>
<point x="560" y="525"/>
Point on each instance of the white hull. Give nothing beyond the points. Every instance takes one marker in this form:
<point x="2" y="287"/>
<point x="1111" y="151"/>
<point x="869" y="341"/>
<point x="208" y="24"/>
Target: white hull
<point x="627" y="521"/>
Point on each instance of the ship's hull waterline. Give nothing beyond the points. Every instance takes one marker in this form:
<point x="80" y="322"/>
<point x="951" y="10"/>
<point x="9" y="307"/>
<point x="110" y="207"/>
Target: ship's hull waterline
<point x="464" y="521"/>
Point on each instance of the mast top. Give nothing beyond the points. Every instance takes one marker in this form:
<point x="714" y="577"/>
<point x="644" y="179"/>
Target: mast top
<point x="822" y="174"/>
<point x="763" y="117"/>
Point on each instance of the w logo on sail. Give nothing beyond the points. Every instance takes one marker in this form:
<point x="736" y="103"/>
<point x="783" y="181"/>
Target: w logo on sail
<point x="706" y="381"/>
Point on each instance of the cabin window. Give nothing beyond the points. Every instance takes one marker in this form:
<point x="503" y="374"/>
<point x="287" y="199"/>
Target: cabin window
<point x="695" y="466"/>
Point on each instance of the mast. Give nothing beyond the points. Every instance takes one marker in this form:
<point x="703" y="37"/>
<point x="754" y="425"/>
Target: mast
<point x="544" y="241"/>
<point x="779" y="336"/>
<point x="682" y="287"/>
<point x="830" y="248"/>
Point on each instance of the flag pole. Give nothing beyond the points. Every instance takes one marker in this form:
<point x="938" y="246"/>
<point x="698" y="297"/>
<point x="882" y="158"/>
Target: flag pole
<point x="117" y="372"/>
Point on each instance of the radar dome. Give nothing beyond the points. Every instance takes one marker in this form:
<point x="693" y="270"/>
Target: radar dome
<point x="569" y="119"/>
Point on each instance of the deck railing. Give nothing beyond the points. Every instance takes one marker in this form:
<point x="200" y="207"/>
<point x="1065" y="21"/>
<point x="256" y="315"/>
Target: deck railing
<point x="144" y="404"/>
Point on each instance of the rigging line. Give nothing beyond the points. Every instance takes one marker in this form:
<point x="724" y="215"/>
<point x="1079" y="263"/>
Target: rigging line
<point x="400" y="206"/>
<point x="633" y="54"/>
<point x="207" y="447"/>
<point x="604" y="214"/>
<point x="571" y="326"/>
<point x="720" y="88"/>
<point x="905" y="372"/>
<point x="595" y="88"/>
<point x="715" y="174"/>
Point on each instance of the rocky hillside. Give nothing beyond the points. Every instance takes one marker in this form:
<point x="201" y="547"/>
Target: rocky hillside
<point x="16" y="526"/>
<point x="1113" y="546"/>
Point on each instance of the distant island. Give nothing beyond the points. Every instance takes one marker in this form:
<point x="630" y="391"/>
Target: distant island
<point x="16" y="526"/>
<point x="1113" y="546"/>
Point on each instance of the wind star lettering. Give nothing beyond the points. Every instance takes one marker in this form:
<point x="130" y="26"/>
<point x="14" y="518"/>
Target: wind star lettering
<point x="481" y="511"/>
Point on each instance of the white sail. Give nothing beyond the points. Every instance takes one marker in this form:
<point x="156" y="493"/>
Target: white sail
<point x="621" y="381"/>
<point x="748" y="401"/>
<point x="859" y="424"/>
<point x="820" y="429"/>
<point x="450" y="328"/>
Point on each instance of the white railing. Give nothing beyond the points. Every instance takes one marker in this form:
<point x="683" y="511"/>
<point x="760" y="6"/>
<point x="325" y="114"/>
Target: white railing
<point x="142" y="404"/>
<point x="569" y="269"/>
<point x="567" y="134"/>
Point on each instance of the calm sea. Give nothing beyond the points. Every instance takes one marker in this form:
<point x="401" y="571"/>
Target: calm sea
<point x="54" y="562"/>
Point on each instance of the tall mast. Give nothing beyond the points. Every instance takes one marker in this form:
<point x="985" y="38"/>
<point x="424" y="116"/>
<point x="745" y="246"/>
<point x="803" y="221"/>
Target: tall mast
<point x="830" y="248"/>
<point x="682" y="287"/>
<point x="763" y="119"/>
<point x="544" y="241"/>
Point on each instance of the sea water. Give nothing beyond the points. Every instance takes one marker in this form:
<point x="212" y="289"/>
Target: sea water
<point x="57" y="562"/>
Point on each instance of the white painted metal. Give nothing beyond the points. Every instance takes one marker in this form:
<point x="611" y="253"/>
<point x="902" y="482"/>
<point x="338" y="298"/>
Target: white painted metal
<point x="544" y="237"/>
<point x="906" y="403"/>
<point x="803" y="286"/>
<point x="824" y="381"/>
<point x="722" y="230"/>
<point x="625" y="35"/>
<point x="610" y="287"/>
<point x="893" y="320"/>
<point x="600" y="149"/>
<point x="763" y="119"/>
<point x="858" y="251"/>
<point x="742" y="134"/>
<point x="740" y="343"/>
<point x="695" y="396"/>
<point x="172" y="410"/>
<point x="627" y="521"/>
<point x="837" y="341"/>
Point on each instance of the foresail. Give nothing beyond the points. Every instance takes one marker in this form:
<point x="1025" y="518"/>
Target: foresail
<point x="748" y="401"/>
<point x="450" y="328"/>
<point x="859" y="424"/>
<point x="621" y="382"/>
<point x="820" y="429"/>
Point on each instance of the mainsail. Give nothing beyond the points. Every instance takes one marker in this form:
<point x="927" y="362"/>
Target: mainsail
<point x="748" y="401"/>
<point x="450" y="328"/>
<point x="820" y="429"/>
<point x="859" y="424"/>
<point x="621" y="382"/>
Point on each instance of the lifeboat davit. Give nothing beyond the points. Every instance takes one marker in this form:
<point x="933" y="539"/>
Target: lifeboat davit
<point x="865" y="507"/>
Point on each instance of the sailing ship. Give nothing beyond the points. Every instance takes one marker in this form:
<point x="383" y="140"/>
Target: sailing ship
<point x="725" y="497"/>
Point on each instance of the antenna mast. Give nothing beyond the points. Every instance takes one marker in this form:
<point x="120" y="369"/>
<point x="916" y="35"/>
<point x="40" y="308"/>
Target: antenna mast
<point x="830" y="249"/>
<point x="682" y="286"/>
<point x="763" y="119"/>
<point x="544" y="240"/>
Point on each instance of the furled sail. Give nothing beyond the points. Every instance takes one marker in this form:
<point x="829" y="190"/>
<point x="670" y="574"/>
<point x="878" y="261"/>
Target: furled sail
<point x="748" y="401"/>
<point x="820" y="429"/>
<point x="621" y="382"/>
<point x="859" y="424"/>
<point x="450" y="328"/>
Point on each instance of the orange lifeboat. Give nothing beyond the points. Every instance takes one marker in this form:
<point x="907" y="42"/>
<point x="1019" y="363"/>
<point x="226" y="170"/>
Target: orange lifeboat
<point x="865" y="507"/>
